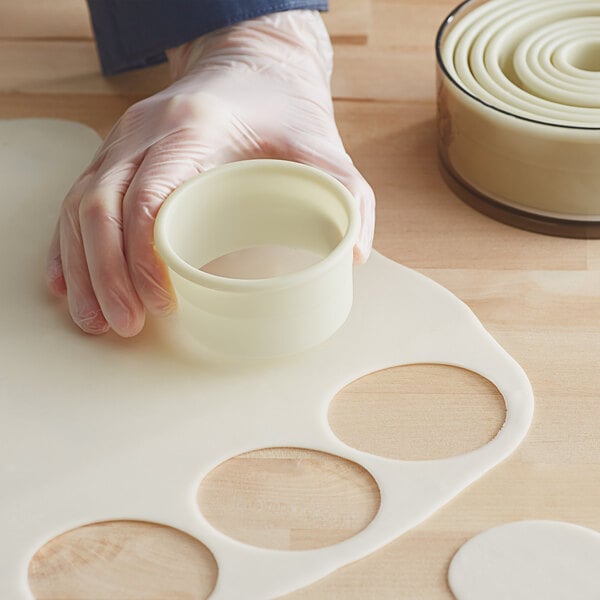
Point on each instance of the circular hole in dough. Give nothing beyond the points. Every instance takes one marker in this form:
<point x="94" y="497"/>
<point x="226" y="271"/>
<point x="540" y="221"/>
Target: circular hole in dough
<point x="418" y="412"/>
<point x="528" y="560"/>
<point x="128" y="560"/>
<point x="289" y="498"/>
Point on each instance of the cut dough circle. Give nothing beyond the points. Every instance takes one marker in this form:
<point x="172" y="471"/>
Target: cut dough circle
<point x="100" y="429"/>
<point x="549" y="560"/>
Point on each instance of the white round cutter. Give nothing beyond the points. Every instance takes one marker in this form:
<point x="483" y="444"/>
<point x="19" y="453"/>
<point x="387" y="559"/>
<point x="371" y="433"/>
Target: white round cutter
<point x="253" y="203"/>
<point x="519" y="111"/>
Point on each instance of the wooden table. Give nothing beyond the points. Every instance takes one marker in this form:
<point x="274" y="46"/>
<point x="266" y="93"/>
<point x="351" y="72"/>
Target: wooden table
<point x="539" y="296"/>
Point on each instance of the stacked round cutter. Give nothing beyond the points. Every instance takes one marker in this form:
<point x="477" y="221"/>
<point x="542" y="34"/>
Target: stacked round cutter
<point x="519" y="111"/>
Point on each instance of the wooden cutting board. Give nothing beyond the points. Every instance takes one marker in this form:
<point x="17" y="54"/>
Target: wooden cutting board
<point x="539" y="296"/>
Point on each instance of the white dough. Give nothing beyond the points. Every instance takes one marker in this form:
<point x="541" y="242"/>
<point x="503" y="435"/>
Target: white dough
<point x="528" y="560"/>
<point x="96" y="429"/>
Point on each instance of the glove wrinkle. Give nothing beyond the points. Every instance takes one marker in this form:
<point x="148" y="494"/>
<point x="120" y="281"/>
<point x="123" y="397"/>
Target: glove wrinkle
<point x="257" y="89"/>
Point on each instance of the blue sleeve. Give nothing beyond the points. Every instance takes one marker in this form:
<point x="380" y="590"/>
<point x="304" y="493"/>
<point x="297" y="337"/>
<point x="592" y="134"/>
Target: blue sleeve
<point x="135" y="33"/>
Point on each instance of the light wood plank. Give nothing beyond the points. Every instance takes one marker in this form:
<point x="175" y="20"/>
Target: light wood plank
<point x="408" y="23"/>
<point x="566" y="299"/>
<point x="43" y="19"/>
<point x="124" y="560"/>
<point x="289" y="499"/>
<point x="72" y="67"/>
<point x="380" y="74"/>
<point x="68" y="67"/>
<point x="348" y="21"/>
<point x="593" y="248"/>
<point x="418" y="412"/>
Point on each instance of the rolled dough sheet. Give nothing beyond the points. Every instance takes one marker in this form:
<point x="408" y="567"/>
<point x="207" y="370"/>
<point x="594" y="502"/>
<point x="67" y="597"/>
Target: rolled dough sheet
<point x="96" y="429"/>
<point x="527" y="560"/>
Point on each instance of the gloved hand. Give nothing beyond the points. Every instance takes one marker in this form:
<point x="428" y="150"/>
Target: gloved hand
<point x="258" y="89"/>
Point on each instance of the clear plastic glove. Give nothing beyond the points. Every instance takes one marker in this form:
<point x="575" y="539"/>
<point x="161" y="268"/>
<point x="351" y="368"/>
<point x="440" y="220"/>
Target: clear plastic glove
<point x="259" y="89"/>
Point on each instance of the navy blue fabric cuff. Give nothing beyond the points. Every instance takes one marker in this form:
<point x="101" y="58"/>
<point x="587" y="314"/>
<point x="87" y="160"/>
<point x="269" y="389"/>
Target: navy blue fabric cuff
<point x="135" y="33"/>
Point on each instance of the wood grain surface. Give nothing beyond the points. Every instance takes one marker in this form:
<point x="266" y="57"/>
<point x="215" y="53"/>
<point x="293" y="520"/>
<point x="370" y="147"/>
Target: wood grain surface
<point x="539" y="296"/>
